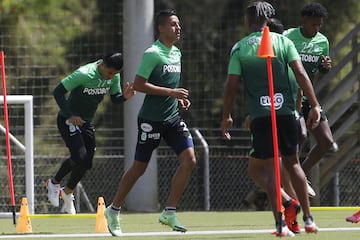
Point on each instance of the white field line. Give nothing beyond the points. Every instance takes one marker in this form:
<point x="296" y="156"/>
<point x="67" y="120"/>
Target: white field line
<point x="214" y="232"/>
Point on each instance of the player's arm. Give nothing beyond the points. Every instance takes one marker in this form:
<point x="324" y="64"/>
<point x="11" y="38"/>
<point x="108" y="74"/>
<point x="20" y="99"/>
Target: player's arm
<point x="305" y="84"/>
<point x="127" y="93"/>
<point x="228" y="101"/>
<point x="299" y="100"/>
<point x="142" y="85"/>
<point x="59" y="95"/>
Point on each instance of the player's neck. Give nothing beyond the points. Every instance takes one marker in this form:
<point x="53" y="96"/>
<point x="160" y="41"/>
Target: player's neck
<point x="167" y="43"/>
<point x="256" y="27"/>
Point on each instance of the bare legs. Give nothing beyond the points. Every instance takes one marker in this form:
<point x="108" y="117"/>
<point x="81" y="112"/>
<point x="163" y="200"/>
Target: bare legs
<point x="187" y="162"/>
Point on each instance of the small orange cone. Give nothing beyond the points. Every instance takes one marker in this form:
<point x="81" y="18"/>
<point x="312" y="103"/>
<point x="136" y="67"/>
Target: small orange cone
<point x="101" y="223"/>
<point x="24" y="223"/>
<point x="265" y="48"/>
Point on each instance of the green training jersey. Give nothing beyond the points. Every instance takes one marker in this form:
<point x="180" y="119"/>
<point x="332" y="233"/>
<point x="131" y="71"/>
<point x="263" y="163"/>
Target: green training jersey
<point x="87" y="89"/>
<point x="161" y="66"/>
<point x="253" y="71"/>
<point x="310" y="49"/>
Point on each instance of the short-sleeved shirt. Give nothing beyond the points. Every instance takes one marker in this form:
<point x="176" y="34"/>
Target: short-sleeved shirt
<point x="253" y="71"/>
<point x="161" y="66"/>
<point x="309" y="49"/>
<point x="87" y="89"/>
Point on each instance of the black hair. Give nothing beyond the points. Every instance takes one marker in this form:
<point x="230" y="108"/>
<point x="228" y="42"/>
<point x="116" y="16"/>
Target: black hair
<point x="275" y="25"/>
<point x="260" y="11"/>
<point x="314" y="9"/>
<point x="114" y="60"/>
<point x="162" y="15"/>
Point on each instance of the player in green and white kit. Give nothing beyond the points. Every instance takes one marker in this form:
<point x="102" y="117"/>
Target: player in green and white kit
<point x="244" y="65"/>
<point x="158" y="76"/>
<point x="87" y="86"/>
<point x="313" y="48"/>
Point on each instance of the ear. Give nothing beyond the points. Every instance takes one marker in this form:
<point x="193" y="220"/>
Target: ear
<point x="160" y="28"/>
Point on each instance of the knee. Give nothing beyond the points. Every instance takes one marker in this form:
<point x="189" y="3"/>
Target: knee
<point x="253" y="174"/>
<point x="83" y="158"/>
<point x="325" y="144"/>
<point x="189" y="162"/>
<point x="138" y="169"/>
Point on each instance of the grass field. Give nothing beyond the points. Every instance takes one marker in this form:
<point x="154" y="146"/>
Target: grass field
<point x="201" y="225"/>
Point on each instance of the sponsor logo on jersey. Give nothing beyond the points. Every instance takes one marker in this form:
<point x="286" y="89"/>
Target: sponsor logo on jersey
<point x="146" y="127"/>
<point x="171" y="68"/>
<point x="251" y="41"/>
<point x="309" y="58"/>
<point x="154" y="136"/>
<point x="96" y="91"/>
<point x="278" y="100"/>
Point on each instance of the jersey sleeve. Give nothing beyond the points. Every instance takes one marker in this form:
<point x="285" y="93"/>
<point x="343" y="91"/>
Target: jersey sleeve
<point x="75" y="79"/>
<point x="149" y="61"/>
<point x="234" y="63"/>
<point x="292" y="53"/>
<point x="116" y="86"/>
<point x="326" y="48"/>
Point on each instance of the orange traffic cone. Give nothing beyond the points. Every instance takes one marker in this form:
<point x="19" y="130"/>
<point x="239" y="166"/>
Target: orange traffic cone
<point x="265" y="48"/>
<point x="101" y="223"/>
<point x="24" y="223"/>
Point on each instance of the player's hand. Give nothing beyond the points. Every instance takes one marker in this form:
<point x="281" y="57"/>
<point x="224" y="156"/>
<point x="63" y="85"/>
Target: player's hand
<point x="128" y="90"/>
<point x="326" y="62"/>
<point x="75" y="120"/>
<point x="226" y="123"/>
<point x="184" y="103"/>
<point x="313" y="117"/>
<point x="180" y="93"/>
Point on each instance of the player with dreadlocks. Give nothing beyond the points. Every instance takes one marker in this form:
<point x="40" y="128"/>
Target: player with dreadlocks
<point x="245" y="66"/>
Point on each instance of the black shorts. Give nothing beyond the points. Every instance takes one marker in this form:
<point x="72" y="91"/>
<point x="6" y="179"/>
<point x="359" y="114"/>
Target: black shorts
<point x="305" y="109"/>
<point x="262" y="139"/>
<point x="174" y="132"/>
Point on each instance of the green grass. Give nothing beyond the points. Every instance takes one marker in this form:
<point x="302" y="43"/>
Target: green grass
<point x="195" y="221"/>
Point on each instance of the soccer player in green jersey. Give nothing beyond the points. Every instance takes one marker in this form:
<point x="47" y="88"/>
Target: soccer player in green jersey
<point x="159" y="77"/>
<point x="87" y="86"/>
<point x="245" y="66"/>
<point x="313" y="48"/>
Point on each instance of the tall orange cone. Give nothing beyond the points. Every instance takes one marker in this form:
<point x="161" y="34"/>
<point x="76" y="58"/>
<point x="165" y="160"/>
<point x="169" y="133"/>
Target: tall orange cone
<point x="266" y="51"/>
<point x="101" y="223"/>
<point x="265" y="48"/>
<point x="24" y="223"/>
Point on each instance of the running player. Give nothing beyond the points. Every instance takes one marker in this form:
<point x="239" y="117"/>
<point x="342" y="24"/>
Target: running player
<point x="159" y="77"/>
<point x="244" y="64"/>
<point x="313" y="48"/>
<point x="87" y="86"/>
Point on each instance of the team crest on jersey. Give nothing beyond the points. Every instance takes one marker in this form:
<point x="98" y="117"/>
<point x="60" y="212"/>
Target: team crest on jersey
<point x="278" y="100"/>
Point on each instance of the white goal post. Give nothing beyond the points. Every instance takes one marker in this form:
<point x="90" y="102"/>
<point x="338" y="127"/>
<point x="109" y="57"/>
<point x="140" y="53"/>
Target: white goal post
<point x="28" y="147"/>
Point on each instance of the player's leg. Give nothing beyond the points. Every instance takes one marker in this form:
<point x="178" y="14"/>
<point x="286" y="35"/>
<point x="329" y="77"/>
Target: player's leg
<point x="147" y="141"/>
<point x="82" y="145"/>
<point x="324" y="141"/>
<point x="261" y="167"/>
<point x="178" y="136"/>
<point x="288" y="144"/>
<point x="53" y="184"/>
<point x="128" y="180"/>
